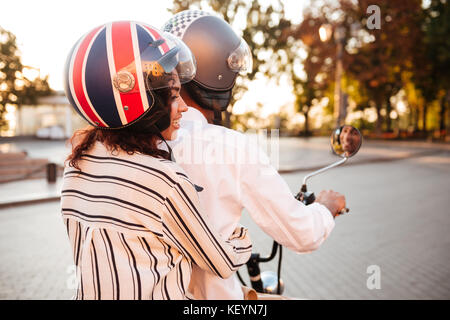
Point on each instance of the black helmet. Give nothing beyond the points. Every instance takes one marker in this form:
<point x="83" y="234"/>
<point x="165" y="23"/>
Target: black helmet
<point x="220" y="55"/>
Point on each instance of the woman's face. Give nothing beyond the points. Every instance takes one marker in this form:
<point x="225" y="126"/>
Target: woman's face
<point x="177" y="107"/>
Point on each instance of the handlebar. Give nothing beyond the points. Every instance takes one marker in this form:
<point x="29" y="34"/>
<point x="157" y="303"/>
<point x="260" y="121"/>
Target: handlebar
<point x="253" y="269"/>
<point x="272" y="254"/>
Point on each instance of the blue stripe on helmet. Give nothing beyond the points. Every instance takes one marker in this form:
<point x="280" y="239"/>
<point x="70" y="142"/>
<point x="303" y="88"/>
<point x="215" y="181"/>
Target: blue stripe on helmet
<point x="98" y="82"/>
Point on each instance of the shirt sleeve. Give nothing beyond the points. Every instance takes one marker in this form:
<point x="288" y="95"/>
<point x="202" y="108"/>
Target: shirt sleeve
<point x="271" y="204"/>
<point x="189" y="230"/>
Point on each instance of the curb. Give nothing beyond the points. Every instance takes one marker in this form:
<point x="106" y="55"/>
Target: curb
<point x="365" y="161"/>
<point x="24" y="202"/>
<point x="35" y="200"/>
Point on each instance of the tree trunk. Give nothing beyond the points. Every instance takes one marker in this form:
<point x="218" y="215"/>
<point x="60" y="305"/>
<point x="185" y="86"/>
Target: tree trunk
<point x="442" y="117"/>
<point x="411" y="116"/>
<point x="416" y="118"/>
<point x="424" y="117"/>
<point x="306" y="127"/>
<point x="447" y="129"/>
<point x="379" y="119"/>
<point x="388" y="114"/>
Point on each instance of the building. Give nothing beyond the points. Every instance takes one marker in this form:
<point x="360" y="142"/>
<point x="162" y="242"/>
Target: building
<point x="51" y="117"/>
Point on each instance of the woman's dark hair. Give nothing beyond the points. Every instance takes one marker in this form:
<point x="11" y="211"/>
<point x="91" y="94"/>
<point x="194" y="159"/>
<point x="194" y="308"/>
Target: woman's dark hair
<point x="142" y="136"/>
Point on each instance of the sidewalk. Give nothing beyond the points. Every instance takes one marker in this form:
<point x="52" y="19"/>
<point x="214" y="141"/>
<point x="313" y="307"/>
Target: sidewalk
<point x="295" y="155"/>
<point x="315" y="153"/>
<point x="28" y="192"/>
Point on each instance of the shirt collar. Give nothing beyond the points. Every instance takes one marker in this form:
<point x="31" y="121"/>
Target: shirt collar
<point x="193" y="114"/>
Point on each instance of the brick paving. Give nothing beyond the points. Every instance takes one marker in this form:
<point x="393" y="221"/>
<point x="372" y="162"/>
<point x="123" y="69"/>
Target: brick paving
<point x="402" y="228"/>
<point x="34" y="252"/>
<point x="399" y="220"/>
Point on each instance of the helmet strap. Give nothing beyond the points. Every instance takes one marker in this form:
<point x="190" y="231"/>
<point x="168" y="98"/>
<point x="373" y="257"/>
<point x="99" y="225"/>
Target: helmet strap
<point x="217" y="117"/>
<point x="171" y="156"/>
<point x="207" y="98"/>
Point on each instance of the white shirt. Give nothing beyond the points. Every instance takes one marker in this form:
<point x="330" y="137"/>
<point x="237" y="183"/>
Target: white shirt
<point x="222" y="161"/>
<point x="136" y="228"/>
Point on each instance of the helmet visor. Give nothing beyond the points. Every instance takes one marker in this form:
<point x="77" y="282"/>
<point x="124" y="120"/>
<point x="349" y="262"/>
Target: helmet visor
<point x="163" y="61"/>
<point x="240" y="60"/>
<point x="176" y="61"/>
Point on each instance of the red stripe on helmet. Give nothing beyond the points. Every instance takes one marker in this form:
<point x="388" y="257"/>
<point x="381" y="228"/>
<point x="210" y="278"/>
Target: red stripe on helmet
<point x="78" y="74"/>
<point x="122" y="45"/>
<point x="157" y="36"/>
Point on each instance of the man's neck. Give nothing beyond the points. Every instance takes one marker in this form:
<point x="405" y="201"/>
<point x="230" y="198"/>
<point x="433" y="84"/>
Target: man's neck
<point x="208" y="114"/>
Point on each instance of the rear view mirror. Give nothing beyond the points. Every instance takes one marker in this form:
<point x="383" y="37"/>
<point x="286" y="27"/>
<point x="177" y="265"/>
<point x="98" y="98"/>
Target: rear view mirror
<point x="346" y="141"/>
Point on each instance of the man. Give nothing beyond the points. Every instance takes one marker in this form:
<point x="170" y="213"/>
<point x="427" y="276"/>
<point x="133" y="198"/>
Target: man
<point x="350" y="140"/>
<point x="233" y="173"/>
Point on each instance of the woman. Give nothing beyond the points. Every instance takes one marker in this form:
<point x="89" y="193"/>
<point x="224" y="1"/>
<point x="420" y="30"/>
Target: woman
<point x="132" y="215"/>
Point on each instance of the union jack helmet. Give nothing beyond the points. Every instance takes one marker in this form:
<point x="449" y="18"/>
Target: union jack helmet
<point x="112" y="70"/>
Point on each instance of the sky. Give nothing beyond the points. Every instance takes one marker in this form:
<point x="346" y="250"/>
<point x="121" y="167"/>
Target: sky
<point x="46" y="30"/>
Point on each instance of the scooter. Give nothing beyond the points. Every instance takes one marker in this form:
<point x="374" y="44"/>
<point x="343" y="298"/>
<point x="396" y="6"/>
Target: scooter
<point x="345" y="143"/>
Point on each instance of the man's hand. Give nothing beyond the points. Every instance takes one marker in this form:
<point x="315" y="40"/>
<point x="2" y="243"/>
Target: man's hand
<point x="334" y="201"/>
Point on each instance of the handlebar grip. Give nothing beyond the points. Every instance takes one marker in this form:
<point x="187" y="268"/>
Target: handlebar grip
<point x="254" y="272"/>
<point x="306" y="197"/>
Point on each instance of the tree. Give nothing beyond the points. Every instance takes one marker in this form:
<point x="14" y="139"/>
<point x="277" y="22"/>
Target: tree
<point x="432" y="60"/>
<point x="318" y="62"/>
<point x="15" y="88"/>
<point x="385" y="53"/>
<point x="263" y="32"/>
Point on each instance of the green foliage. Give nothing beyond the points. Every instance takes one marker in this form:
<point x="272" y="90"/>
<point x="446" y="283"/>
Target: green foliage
<point x="15" y="88"/>
<point x="384" y="54"/>
<point x="264" y="31"/>
<point x="437" y="41"/>
<point x="432" y="62"/>
<point x="363" y="125"/>
<point x="408" y="55"/>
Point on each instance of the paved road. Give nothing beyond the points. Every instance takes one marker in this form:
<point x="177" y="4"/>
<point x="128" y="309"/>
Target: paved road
<point x="399" y="221"/>
<point x="35" y="253"/>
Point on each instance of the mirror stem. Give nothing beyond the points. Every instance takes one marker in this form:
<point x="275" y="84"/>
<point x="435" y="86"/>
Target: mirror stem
<point x="321" y="170"/>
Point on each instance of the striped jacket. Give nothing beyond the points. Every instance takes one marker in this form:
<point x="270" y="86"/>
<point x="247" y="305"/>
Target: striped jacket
<point x="136" y="227"/>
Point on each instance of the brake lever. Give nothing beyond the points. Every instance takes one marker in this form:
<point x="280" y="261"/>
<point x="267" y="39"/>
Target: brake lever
<point x="306" y="197"/>
<point x="309" y="197"/>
